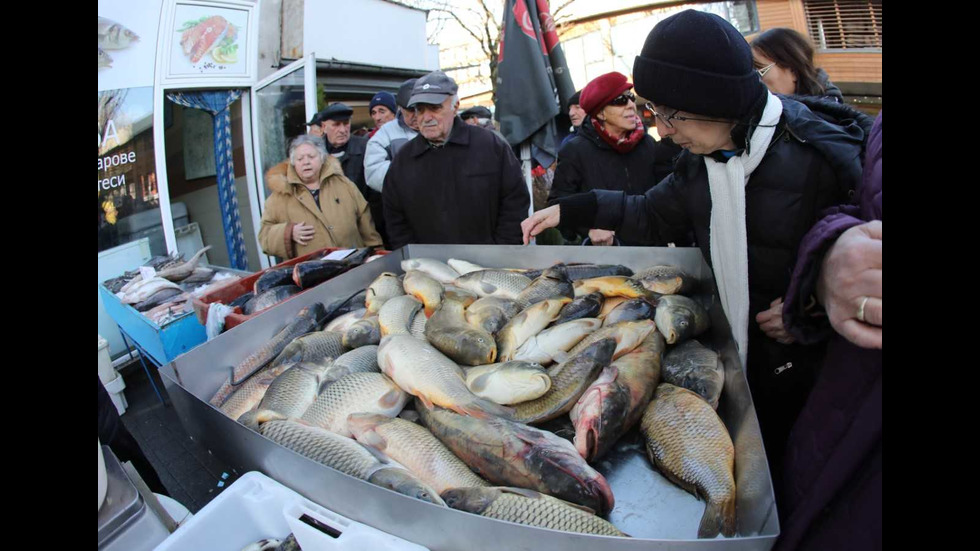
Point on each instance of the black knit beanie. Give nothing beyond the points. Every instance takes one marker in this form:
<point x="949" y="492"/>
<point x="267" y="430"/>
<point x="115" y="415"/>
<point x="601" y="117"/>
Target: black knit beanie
<point x="699" y="63"/>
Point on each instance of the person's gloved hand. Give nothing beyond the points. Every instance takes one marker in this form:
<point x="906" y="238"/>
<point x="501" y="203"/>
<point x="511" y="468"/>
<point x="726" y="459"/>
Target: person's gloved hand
<point x="601" y="237"/>
<point x="540" y="221"/>
<point x="771" y="323"/>
<point x="302" y="233"/>
<point x="849" y="276"/>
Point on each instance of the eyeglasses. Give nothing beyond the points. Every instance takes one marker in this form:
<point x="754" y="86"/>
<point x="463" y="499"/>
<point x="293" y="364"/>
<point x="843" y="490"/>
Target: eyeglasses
<point x="764" y="70"/>
<point x="623" y="99"/>
<point x="675" y="117"/>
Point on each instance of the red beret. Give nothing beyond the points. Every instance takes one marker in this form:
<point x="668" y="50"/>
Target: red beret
<point x="598" y="93"/>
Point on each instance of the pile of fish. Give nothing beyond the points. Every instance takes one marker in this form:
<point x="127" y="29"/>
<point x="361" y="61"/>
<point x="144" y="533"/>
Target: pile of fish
<point x="280" y="283"/>
<point x="167" y="294"/>
<point x="435" y="382"/>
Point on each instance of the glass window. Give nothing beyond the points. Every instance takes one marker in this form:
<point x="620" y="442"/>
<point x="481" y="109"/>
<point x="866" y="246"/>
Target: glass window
<point x="282" y="116"/>
<point x="129" y="199"/>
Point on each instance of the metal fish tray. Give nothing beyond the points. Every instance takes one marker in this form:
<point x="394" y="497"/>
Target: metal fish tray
<point x="656" y="513"/>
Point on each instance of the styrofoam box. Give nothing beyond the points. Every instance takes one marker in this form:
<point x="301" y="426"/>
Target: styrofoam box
<point x="256" y="507"/>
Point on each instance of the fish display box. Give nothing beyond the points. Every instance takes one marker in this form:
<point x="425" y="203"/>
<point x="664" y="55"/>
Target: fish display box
<point x="656" y="513"/>
<point x="235" y="289"/>
<point x="161" y="343"/>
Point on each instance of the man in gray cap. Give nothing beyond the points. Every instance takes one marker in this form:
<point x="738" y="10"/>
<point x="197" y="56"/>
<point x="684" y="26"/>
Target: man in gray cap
<point x="452" y="183"/>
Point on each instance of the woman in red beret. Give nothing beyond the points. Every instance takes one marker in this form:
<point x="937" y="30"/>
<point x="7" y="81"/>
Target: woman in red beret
<point x="610" y="151"/>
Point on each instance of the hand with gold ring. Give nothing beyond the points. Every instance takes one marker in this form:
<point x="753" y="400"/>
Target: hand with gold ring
<point x="849" y="285"/>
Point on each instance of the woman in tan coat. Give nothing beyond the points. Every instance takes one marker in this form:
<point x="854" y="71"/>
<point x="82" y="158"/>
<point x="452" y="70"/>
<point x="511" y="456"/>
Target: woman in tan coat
<point x="313" y="205"/>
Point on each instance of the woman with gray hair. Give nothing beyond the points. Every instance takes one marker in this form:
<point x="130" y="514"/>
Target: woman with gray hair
<point x="313" y="205"/>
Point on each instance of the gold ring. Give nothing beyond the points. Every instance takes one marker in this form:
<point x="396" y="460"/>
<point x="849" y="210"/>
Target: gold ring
<point x="860" y="314"/>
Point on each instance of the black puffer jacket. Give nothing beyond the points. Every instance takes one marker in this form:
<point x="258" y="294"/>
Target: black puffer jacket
<point x="810" y="165"/>
<point x="587" y="162"/>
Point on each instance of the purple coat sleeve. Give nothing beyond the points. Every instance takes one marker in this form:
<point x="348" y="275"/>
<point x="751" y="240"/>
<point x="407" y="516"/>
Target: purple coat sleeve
<point x="809" y="325"/>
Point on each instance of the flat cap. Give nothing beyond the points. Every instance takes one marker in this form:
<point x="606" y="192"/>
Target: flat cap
<point x="476" y="111"/>
<point x="336" y="112"/>
<point x="433" y="89"/>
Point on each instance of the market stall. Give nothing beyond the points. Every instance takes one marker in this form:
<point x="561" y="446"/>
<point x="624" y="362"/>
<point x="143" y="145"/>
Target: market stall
<point x="654" y="512"/>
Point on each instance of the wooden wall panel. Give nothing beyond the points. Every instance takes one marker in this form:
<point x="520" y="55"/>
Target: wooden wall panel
<point x="850" y="67"/>
<point x="842" y="67"/>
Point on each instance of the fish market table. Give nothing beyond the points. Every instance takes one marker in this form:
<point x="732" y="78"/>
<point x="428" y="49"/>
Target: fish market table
<point x="652" y="510"/>
<point x="159" y="344"/>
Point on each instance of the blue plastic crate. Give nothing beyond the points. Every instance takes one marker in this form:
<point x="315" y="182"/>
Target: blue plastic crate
<point x="162" y="344"/>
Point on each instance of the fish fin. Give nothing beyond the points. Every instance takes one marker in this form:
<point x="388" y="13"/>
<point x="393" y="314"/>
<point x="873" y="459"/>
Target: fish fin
<point x="484" y="409"/>
<point x="373" y="440"/>
<point x="391" y="398"/>
<point x="531" y="494"/>
<point x="479" y="383"/>
<point x="719" y="517"/>
<point x="426" y="402"/>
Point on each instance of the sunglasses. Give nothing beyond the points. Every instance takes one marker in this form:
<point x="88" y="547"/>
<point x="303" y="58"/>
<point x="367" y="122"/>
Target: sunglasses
<point x="623" y="99"/>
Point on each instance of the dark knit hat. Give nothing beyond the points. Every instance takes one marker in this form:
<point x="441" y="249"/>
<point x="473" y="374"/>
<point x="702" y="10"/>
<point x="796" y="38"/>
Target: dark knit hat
<point x="405" y="92"/>
<point x="598" y="93"/>
<point x="699" y="63"/>
<point x="574" y="100"/>
<point x="383" y="98"/>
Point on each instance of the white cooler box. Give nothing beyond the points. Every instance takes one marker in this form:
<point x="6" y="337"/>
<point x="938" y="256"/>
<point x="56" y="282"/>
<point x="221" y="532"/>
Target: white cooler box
<point x="256" y="507"/>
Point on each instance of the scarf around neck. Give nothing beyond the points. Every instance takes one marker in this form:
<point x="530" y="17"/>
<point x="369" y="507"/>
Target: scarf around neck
<point x="621" y="145"/>
<point x="728" y="242"/>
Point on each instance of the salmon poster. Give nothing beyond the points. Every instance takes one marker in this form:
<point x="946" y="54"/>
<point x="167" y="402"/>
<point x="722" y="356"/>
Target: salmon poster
<point x="208" y="40"/>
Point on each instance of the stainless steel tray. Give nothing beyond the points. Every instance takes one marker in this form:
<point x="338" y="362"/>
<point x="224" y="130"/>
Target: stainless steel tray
<point x="658" y="514"/>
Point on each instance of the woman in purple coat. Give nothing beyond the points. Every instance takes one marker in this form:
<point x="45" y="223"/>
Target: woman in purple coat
<point x="831" y="491"/>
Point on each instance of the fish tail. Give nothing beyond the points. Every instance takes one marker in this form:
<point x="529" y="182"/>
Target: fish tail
<point x="718" y="518"/>
<point x="484" y="409"/>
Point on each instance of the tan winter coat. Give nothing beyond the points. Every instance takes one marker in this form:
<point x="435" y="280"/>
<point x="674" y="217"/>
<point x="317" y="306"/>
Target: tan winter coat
<point x="344" y="221"/>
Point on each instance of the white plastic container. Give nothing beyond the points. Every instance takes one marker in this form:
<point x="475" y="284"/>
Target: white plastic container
<point x="106" y="371"/>
<point x="256" y="507"/>
<point x="115" y="389"/>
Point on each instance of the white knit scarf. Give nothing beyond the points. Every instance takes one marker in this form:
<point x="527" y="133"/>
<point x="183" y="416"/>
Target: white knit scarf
<point x="729" y="246"/>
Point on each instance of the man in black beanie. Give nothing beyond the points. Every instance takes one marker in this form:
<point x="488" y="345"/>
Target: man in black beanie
<point x="757" y="170"/>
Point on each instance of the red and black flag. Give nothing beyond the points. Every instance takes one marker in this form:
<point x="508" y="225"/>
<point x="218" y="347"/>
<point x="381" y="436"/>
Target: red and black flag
<point x="527" y="95"/>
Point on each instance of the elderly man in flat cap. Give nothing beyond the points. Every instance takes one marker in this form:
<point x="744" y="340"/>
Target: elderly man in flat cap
<point x="453" y="183"/>
<point x="349" y="150"/>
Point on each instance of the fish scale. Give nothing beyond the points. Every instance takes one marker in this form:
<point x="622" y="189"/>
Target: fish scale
<point x="355" y="393"/>
<point x="304" y="322"/>
<point x="291" y="393"/>
<point x="697" y="368"/>
<point x="569" y="381"/>
<point x="608" y="409"/>
<point x="397" y="314"/>
<point x="251" y="392"/>
<point x="385" y="287"/>
<point x="689" y="443"/>
<point x="421" y="370"/>
<point x="315" y="347"/>
<point x="322" y="446"/>
<point x="628" y="335"/>
<point x="496" y="283"/>
<point x="530" y="508"/>
<point x="417" y="449"/>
